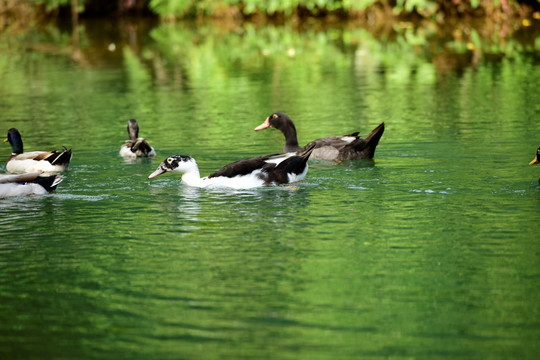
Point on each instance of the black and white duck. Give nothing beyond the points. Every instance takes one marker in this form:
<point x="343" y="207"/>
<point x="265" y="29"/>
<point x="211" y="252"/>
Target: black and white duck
<point x="536" y="160"/>
<point x="333" y="148"/>
<point x="268" y="170"/>
<point x="136" y="146"/>
<point x="35" y="183"/>
<point x="34" y="161"/>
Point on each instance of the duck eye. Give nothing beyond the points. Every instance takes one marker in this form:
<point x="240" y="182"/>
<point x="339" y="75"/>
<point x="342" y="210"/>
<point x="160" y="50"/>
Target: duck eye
<point x="274" y="116"/>
<point x="169" y="160"/>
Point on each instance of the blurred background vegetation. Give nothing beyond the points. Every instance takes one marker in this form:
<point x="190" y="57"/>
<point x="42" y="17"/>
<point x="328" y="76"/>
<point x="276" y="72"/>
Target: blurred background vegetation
<point x="435" y="10"/>
<point x="450" y="35"/>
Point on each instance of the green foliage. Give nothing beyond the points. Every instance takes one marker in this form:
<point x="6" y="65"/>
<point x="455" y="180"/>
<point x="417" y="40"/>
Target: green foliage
<point x="357" y="4"/>
<point x="170" y="7"/>
<point x="192" y="8"/>
<point x="182" y="8"/>
<point x="421" y="6"/>
<point x="51" y="5"/>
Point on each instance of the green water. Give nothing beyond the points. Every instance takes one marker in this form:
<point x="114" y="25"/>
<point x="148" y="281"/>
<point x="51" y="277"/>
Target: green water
<point x="430" y="252"/>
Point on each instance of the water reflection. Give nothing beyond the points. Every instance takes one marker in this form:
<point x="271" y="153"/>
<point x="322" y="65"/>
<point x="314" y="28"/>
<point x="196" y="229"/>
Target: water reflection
<point x="139" y="160"/>
<point x="185" y="205"/>
<point x="18" y="211"/>
<point x="90" y="44"/>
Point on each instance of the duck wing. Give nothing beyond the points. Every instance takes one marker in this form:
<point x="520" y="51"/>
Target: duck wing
<point x="141" y="144"/>
<point x="332" y="147"/>
<point x="337" y="142"/>
<point x="60" y="157"/>
<point x="363" y="148"/>
<point x="247" y="166"/>
<point x="347" y="147"/>
<point x="18" y="178"/>
<point x="47" y="181"/>
<point x="53" y="157"/>
<point x="292" y="168"/>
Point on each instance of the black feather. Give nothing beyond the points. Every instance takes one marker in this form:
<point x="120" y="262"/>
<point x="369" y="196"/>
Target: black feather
<point x="279" y="174"/>
<point x="60" y="158"/>
<point x="244" y="167"/>
<point x="48" y="182"/>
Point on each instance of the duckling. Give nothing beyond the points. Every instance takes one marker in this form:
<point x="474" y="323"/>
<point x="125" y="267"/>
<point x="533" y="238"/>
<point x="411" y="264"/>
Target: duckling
<point x="20" y="161"/>
<point x="333" y="148"/>
<point x="136" y="147"/>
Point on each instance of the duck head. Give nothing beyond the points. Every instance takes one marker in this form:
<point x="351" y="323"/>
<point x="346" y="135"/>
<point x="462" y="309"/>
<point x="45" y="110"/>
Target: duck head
<point x="278" y="121"/>
<point x="178" y="163"/>
<point x="133" y="129"/>
<point x="14" y="138"/>
<point x="536" y="159"/>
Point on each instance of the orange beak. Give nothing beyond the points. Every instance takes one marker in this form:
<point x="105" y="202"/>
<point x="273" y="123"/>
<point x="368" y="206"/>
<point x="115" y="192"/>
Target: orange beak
<point x="264" y="125"/>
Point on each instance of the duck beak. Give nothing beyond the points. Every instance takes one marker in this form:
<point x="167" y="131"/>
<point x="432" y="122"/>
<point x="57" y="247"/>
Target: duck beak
<point x="264" y="125"/>
<point x="6" y="140"/>
<point x="160" y="170"/>
<point x="535" y="161"/>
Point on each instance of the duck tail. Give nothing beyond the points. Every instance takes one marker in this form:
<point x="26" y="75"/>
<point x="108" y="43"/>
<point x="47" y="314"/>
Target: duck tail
<point x="60" y="158"/>
<point x="368" y="145"/>
<point x="48" y="182"/>
<point x="306" y="153"/>
<point x="296" y="164"/>
<point x="142" y="145"/>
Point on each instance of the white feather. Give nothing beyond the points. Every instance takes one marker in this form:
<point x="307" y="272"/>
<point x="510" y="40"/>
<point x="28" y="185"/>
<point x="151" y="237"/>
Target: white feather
<point x="8" y="190"/>
<point x="279" y="158"/>
<point x="191" y="177"/>
<point x="24" y="164"/>
<point x="126" y="152"/>
<point x="348" y="139"/>
<point x="238" y="182"/>
<point x="297" y="177"/>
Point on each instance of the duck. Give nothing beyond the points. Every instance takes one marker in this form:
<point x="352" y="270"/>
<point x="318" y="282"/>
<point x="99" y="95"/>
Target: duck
<point x="536" y="160"/>
<point x="332" y="148"/>
<point x="136" y="146"/>
<point x="35" y="183"/>
<point x="267" y="170"/>
<point x="34" y="161"/>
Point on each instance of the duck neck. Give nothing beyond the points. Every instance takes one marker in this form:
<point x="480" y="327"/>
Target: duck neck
<point x="192" y="177"/>
<point x="291" y="141"/>
<point x="16" y="146"/>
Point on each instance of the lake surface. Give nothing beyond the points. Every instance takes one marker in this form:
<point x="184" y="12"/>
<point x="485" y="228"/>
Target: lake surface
<point x="429" y="252"/>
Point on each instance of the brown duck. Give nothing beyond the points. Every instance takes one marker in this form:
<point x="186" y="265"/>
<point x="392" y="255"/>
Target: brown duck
<point x="333" y="148"/>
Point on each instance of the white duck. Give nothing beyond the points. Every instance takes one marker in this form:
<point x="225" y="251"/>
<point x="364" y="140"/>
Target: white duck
<point x="136" y="146"/>
<point x="274" y="169"/>
<point x="34" y="161"/>
<point x="28" y="184"/>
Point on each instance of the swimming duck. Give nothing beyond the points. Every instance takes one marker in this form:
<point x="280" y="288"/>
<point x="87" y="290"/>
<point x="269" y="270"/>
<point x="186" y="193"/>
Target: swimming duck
<point x="274" y="169"/>
<point x="536" y="160"/>
<point x="34" y="161"/>
<point x="35" y="183"/>
<point x="136" y="147"/>
<point x="334" y="148"/>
